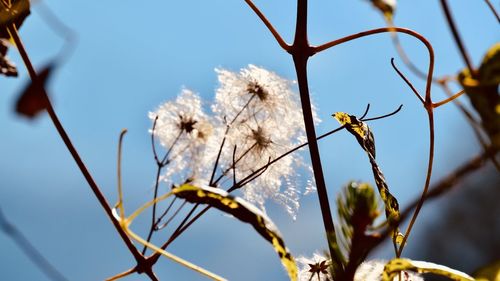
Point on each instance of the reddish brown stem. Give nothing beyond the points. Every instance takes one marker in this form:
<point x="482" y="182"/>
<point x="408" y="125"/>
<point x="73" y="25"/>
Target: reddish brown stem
<point x="458" y="39"/>
<point x="268" y="24"/>
<point x="67" y="141"/>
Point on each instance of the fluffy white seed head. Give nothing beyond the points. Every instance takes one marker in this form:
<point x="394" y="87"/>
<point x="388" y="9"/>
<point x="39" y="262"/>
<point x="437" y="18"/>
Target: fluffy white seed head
<point x="264" y="118"/>
<point x="188" y="136"/>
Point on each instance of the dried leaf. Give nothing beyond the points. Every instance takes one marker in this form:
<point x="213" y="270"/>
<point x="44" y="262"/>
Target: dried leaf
<point x="7" y="67"/>
<point x="483" y="92"/>
<point x="365" y="138"/>
<point x="393" y="267"/>
<point x="14" y="12"/>
<point x="243" y="211"/>
<point x="32" y="100"/>
<point x="359" y="129"/>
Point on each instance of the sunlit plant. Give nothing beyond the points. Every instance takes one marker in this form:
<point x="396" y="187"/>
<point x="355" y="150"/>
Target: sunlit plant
<point x="243" y="149"/>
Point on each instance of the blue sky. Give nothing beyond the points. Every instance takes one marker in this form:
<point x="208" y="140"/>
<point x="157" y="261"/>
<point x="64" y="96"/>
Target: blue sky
<point x="129" y="59"/>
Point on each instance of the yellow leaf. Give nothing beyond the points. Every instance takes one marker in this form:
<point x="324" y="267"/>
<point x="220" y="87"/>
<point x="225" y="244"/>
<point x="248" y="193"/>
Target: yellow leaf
<point x="393" y="267"/>
<point x="243" y="211"/>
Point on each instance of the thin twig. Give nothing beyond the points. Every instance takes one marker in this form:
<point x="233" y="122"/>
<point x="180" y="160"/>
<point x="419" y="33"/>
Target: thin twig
<point x="35" y="256"/>
<point x="183" y="226"/>
<point x="493" y="10"/>
<point x="123" y="274"/>
<point x="382" y="116"/>
<point x="370" y="32"/>
<point x="447" y="100"/>
<point x="458" y="39"/>
<point x="447" y="183"/>
<point x="234" y="165"/>
<point x="59" y="27"/>
<point x="271" y="28"/>
<point x="153" y="145"/>
<point x="171" y="217"/>
<point x="119" y="204"/>
<point x="211" y="182"/>
<point x="407" y="81"/>
<point x="165" y="213"/>
<point x="67" y="141"/>
<point x="153" y="215"/>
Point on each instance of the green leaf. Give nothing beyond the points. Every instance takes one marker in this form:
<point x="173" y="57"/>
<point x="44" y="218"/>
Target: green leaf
<point x="33" y="100"/>
<point x="482" y="91"/>
<point x="243" y="211"/>
<point x="357" y="208"/>
<point x="14" y="12"/>
<point x="7" y="68"/>
<point x="393" y="267"/>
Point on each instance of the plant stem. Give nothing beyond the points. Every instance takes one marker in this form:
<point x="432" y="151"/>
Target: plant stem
<point x="67" y="141"/>
<point x="458" y="39"/>
<point x="35" y="256"/>
<point x="301" y="51"/>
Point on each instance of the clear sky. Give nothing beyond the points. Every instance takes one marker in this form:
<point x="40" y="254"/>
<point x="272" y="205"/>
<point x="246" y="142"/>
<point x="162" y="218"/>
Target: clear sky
<point x="129" y="59"/>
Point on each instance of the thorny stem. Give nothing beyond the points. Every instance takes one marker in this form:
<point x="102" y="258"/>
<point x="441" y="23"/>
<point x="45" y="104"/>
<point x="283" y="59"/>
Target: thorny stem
<point x="458" y="39"/>
<point x="67" y="141"/>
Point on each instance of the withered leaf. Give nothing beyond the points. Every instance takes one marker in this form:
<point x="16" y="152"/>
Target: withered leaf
<point x="7" y="67"/>
<point x="243" y="211"/>
<point x="482" y="90"/>
<point x="32" y="100"/>
<point x="365" y="138"/>
<point x="359" y="129"/>
<point x="395" y="266"/>
<point x="14" y="12"/>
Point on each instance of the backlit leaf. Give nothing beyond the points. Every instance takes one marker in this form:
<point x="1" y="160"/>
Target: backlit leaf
<point x="7" y="68"/>
<point x="482" y="91"/>
<point x="393" y="267"/>
<point x="14" y="12"/>
<point x="365" y="138"/>
<point x="32" y="100"/>
<point x="359" y="129"/>
<point x="243" y="211"/>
